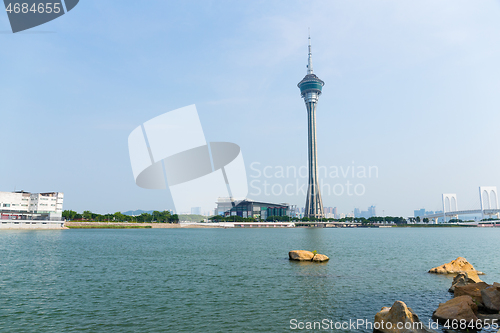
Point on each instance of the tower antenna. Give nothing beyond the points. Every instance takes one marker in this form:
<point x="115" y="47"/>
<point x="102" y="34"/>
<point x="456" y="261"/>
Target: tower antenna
<point x="309" y="61"/>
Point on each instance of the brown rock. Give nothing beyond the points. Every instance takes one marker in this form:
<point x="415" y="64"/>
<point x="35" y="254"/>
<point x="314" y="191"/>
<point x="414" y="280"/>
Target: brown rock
<point x="463" y="279"/>
<point x="489" y="319"/>
<point x="458" y="308"/>
<point x="474" y="276"/>
<point x="473" y="290"/>
<point x="400" y="314"/>
<point x="458" y="265"/>
<point x="320" y="258"/>
<point x="301" y="255"/>
<point x="491" y="298"/>
<point x="492" y="317"/>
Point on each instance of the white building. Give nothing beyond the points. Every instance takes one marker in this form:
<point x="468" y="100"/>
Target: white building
<point x="46" y="202"/>
<point x="12" y="203"/>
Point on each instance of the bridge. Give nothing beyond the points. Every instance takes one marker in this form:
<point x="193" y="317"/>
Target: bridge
<point x="488" y="198"/>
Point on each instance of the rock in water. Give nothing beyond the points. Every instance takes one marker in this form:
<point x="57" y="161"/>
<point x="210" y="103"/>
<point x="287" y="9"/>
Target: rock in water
<point x="301" y="255"/>
<point x="458" y="308"/>
<point x="473" y="290"/>
<point x="474" y="276"/>
<point x="463" y="279"/>
<point x="456" y="266"/>
<point x="320" y="258"/>
<point x="402" y="319"/>
<point x="491" y="297"/>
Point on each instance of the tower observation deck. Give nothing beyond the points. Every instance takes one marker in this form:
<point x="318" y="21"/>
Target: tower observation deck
<point x="310" y="89"/>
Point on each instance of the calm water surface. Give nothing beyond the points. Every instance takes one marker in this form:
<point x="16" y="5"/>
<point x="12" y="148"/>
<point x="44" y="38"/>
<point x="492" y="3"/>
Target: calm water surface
<point x="225" y="280"/>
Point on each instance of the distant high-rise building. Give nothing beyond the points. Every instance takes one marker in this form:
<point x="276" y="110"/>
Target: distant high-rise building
<point x="329" y="212"/>
<point x="419" y="212"/>
<point x="196" y="210"/>
<point x="365" y="213"/>
<point x="372" y="211"/>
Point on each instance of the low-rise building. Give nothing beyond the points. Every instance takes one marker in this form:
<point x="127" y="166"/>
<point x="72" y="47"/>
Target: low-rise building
<point x="26" y="205"/>
<point x="251" y="209"/>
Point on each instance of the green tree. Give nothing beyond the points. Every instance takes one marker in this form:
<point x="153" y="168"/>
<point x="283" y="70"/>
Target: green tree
<point x="69" y="215"/>
<point x="119" y="217"/>
<point x="87" y="215"/>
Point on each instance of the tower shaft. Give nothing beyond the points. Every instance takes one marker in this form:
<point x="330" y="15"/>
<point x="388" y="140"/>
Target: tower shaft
<point x="314" y="203"/>
<point x="311" y="87"/>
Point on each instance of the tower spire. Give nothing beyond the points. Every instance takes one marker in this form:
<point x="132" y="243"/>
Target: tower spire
<point x="309" y="61"/>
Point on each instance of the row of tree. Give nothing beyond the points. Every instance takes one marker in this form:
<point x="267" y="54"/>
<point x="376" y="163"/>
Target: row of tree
<point x="418" y="219"/>
<point x="374" y="219"/>
<point x="88" y="216"/>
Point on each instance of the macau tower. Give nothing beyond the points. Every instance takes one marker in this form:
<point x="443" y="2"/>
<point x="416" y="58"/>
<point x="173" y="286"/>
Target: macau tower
<point x="310" y="89"/>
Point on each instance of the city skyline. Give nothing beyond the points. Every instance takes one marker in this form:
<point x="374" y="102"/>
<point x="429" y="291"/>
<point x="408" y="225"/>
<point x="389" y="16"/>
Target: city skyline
<point x="412" y="90"/>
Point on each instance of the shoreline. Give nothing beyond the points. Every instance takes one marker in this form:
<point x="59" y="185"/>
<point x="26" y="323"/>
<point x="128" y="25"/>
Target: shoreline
<point x="53" y="225"/>
<point x="195" y="225"/>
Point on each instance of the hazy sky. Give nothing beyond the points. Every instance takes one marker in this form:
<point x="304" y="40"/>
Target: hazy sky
<point x="412" y="90"/>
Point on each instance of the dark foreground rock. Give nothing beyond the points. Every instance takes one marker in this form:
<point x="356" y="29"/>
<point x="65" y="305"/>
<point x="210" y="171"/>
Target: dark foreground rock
<point x="473" y="290"/>
<point x="463" y="279"/>
<point x="458" y="308"/>
<point x="491" y="297"/>
<point x="399" y="319"/>
<point x="489" y="319"/>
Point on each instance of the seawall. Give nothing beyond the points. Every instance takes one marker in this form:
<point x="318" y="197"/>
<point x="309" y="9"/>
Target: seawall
<point x="30" y="224"/>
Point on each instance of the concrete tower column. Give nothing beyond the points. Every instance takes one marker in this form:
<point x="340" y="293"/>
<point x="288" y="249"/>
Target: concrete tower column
<point x="310" y="88"/>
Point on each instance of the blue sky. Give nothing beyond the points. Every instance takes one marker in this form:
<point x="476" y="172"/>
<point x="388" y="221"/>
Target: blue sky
<point x="412" y="87"/>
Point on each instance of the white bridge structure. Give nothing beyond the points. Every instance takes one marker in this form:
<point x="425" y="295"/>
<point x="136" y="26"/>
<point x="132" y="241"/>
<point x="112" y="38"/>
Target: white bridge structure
<point x="488" y="198"/>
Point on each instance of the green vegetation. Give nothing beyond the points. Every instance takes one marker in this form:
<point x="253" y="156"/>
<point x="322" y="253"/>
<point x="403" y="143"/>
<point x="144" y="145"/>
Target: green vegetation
<point x="362" y="220"/>
<point x="371" y="220"/>
<point x="192" y="218"/>
<point x="111" y="226"/>
<point x="441" y="225"/>
<point x="279" y="218"/>
<point x="88" y="216"/>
